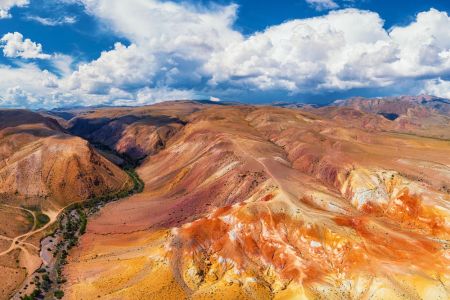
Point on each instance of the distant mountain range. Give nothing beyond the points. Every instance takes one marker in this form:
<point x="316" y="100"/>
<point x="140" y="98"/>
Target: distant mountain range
<point x="397" y="105"/>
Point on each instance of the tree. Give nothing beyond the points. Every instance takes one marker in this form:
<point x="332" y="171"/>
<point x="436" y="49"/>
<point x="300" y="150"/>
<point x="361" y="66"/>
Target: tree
<point x="59" y="294"/>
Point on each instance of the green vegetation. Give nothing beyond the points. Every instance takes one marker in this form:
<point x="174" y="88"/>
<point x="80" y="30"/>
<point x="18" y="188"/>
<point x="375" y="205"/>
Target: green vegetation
<point x="34" y="295"/>
<point x="83" y="221"/>
<point x="137" y="181"/>
<point x="93" y="203"/>
<point x="41" y="219"/>
<point x="30" y="218"/>
<point x="59" y="294"/>
<point x="72" y="224"/>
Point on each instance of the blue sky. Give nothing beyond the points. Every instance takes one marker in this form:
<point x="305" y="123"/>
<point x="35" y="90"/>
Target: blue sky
<point x="57" y="53"/>
<point x="256" y="17"/>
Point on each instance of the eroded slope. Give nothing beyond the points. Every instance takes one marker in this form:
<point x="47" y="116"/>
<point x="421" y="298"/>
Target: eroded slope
<point x="247" y="202"/>
<point x="134" y="132"/>
<point x="422" y="115"/>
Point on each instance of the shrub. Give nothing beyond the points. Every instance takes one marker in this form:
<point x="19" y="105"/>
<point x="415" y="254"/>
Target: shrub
<point x="42" y="219"/>
<point x="59" y="294"/>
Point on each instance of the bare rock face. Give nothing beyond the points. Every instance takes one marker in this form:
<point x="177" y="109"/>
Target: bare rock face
<point x="251" y="202"/>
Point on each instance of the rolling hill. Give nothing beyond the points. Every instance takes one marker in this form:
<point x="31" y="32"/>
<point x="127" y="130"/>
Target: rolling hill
<point x="275" y="203"/>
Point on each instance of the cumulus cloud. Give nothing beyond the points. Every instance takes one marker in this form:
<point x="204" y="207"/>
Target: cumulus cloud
<point x="180" y="51"/>
<point x="167" y="26"/>
<point x="437" y="87"/>
<point x="29" y="86"/>
<point x="123" y="67"/>
<point x="424" y="45"/>
<point x="6" y="5"/>
<point x="52" y="21"/>
<point x="342" y="50"/>
<point x="148" y="95"/>
<point x="170" y="44"/>
<point x="26" y="86"/>
<point x="15" y="46"/>
<point x="322" y="4"/>
<point x="185" y="46"/>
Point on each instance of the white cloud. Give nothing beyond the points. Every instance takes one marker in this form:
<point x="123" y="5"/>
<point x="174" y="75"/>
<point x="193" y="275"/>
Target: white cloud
<point x="148" y="95"/>
<point x="15" y="46"/>
<point x="437" y="87"/>
<point x="63" y="63"/>
<point x="6" y="5"/>
<point x="123" y="67"/>
<point x="167" y="26"/>
<point x="342" y="50"/>
<point x="424" y="45"/>
<point x="53" y="22"/>
<point x="179" y="51"/>
<point x="214" y="99"/>
<point x="26" y="86"/>
<point x="322" y="4"/>
<point x="170" y="44"/>
<point x="29" y="86"/>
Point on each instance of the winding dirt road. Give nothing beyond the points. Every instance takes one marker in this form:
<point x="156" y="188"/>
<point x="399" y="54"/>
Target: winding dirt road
<point x="20" y="241"/>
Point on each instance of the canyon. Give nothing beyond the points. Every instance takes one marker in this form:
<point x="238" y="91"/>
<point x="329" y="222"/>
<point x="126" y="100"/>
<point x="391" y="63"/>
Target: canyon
<point x="345" y="201"/>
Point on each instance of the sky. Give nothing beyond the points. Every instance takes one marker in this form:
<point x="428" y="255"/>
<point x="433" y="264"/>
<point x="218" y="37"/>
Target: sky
<point x="64" y="53"/>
